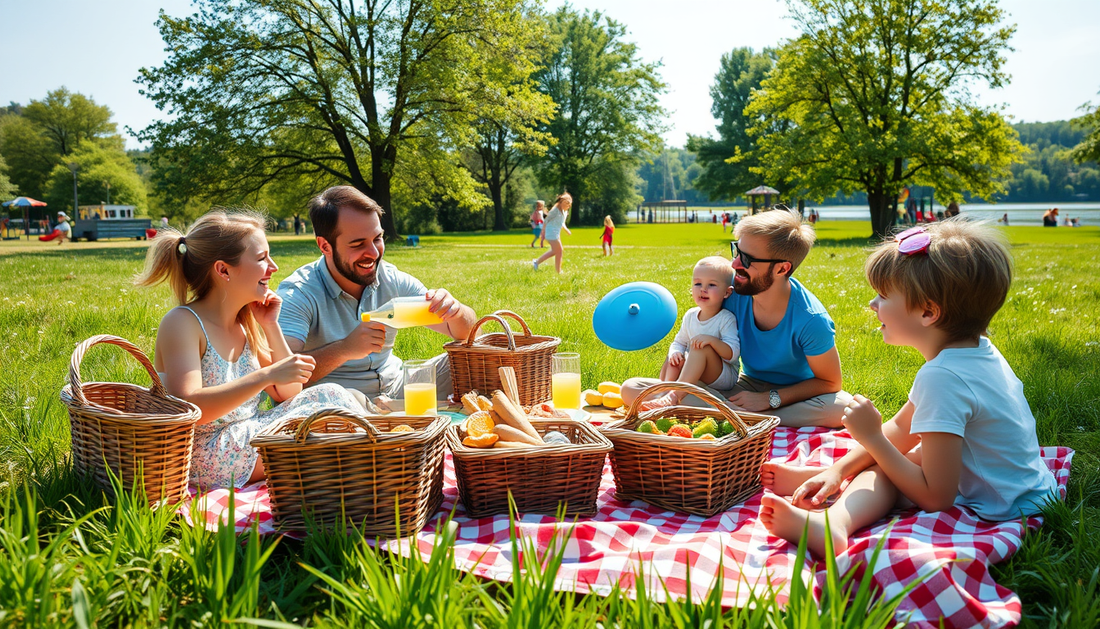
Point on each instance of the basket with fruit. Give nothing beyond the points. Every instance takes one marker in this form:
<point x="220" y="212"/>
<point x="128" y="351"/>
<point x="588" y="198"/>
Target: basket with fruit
<point x="338" y="469"/>
<point x="698" y="460"/>
<point x="544" y="463"/>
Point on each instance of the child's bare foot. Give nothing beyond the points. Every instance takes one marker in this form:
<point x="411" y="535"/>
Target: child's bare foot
<point x="783" y="479"/>
<point x="787" y="521"/>
<point x="668" y="399"/>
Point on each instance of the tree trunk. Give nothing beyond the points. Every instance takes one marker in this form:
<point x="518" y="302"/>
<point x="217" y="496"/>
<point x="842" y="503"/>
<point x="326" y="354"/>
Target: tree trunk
<point x="496" y="191"/>
<point x="380" y="192"/>
<point x="882" y="218"/>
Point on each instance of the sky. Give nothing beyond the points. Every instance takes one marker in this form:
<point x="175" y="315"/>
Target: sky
<point x="97" y="48"/>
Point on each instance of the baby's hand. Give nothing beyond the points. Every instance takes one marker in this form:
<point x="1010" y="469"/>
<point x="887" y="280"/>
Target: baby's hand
<point x="676" y="359"/>
<point x="862" y="419"/>
<point x="702" y="341"/>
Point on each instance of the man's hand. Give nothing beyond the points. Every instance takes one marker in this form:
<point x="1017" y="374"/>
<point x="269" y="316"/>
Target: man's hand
<point x="676" y="359"/>
<point x="366" y="339"/>
<point x="443" y="304"/>
<point x="862" y="420"/>
<point x="702" y="341"/>
<point x="751" y="401"/>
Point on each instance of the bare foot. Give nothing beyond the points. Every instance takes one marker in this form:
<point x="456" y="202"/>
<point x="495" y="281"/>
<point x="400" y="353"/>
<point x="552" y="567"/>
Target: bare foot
<point x="784" y="520"/>
<point x="783" y="479"/>
<point x="668" y="399"/>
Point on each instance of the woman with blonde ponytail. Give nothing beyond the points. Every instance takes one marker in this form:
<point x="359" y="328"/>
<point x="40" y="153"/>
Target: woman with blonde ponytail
<point x="222" y="348"/>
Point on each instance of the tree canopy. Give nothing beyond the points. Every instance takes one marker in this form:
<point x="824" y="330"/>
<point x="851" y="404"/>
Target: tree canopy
<point x="740" y="72"/>
<point x="104" y="172"/>
<point x="873" y="96"/>
<point x="347" y="91"/>
<point x="1088" y="150"/>
<point x="608" y="115"/>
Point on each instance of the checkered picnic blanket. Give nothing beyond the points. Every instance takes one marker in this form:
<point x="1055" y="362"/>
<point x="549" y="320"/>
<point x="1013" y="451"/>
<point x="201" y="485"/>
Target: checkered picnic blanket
<point x="733" y="550"/>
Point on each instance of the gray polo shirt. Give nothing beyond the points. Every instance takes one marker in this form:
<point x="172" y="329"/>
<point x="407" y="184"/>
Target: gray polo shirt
<point x="318" y="312"/>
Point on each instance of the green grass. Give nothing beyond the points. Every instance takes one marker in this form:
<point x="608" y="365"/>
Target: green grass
<point x="65" y="552"/>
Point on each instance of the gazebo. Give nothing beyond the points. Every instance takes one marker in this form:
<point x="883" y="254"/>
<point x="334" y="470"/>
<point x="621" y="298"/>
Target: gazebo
<point x="764" y="191"/>
<point x="666" y="211"/>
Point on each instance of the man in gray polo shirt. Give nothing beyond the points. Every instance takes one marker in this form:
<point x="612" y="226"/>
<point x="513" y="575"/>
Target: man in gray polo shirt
<point x="323" y="300"/>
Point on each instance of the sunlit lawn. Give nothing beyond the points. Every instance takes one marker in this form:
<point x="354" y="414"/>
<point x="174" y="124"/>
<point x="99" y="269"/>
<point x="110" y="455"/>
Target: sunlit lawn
<point x="52" y="297"/>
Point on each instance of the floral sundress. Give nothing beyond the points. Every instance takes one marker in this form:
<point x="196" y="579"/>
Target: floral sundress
<point x="222" y="456"/>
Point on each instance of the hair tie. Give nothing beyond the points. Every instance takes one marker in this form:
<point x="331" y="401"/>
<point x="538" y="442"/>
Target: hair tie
<point x="913" y="240"/>
<point x="182" y="247"/>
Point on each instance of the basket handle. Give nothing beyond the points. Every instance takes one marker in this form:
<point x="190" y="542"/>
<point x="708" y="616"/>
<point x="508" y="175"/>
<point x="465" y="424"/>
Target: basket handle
<point x="723" y="409"/>
<point x="78" y="356"/>
<point x="512" y="315"/>
<point x="494" y="317"/>
<point x="337" y="412"/>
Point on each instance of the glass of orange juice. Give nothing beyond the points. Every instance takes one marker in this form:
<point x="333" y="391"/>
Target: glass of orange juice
<point x="566" y="380"/>
<point x="420" y="397"/>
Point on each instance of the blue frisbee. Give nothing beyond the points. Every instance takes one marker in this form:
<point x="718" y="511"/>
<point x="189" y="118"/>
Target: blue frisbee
<point x="634" y="316"/>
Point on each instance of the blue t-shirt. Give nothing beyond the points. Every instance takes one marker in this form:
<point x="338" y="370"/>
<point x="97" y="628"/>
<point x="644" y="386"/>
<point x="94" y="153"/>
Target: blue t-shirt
<point x="779" y="355"/>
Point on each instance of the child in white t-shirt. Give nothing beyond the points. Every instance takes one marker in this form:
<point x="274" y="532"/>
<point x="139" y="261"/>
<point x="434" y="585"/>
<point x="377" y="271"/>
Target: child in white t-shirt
<point x="706" y="349"/>
<point x="965" y="437"/>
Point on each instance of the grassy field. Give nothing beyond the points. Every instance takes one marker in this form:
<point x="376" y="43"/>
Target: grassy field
<point x="67" y="556"/>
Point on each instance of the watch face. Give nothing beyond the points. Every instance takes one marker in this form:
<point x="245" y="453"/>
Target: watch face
<point x="773" y="399"/>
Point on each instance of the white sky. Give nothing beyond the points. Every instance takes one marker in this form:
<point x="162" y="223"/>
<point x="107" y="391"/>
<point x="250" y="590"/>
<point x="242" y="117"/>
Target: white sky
<point x="96" y="48"/>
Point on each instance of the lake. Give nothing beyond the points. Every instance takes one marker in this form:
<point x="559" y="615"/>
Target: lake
<point x="1018" y="213"/>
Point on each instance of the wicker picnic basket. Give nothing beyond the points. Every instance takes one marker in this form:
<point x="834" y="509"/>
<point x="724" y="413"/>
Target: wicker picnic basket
<point x="696" y="476"/>
<point x="128" y="429"/>
<point x="474" y="362"/>
<point x="339" y="469"/>
<point x="540" y="479"/>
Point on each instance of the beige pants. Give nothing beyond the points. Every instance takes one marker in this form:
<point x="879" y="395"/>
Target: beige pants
<point x="822" y="410"/>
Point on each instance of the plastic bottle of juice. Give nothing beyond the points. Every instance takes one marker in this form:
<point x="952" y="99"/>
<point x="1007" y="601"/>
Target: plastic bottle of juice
<point x="403" y="312"/>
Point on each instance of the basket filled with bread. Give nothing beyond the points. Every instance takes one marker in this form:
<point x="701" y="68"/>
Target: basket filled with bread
<point x="540" y="456"/>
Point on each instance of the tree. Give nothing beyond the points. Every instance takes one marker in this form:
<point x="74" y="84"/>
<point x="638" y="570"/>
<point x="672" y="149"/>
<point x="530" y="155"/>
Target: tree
<point x="739" y="73"/>
<point x="1089" y="148"/>
<point x="7" y="188"/>
<point x="353" y="90"/>
<point x="873" y="97"/>
<point x="36" y="138"/>
<point x="608" y="114"/>
<point x="99" y="163"/>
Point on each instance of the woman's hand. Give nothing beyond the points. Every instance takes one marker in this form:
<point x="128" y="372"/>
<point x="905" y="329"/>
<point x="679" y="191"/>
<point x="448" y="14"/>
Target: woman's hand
<point x="814" y="493"/>
<point x="266" y="310"/>
<point x="294" y="369"/>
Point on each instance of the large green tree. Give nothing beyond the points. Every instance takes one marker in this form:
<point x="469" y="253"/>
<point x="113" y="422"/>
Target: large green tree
<point x="37" y="137"/>
<point x="608" y="115"/>
<point x="7" y="188"/>
<point x="104" y="172"/>
<point x="873" y="96"/>
<point x="357" y="91"/>
<point x="723" y="179"/>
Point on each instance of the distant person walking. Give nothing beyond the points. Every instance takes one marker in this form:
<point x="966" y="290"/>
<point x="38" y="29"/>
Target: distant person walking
<point x="538" y="218"/>
<point x="1050" y="218"/>
<point x="551" y="231"/>
<point x="297" y="225"/>
<point x="605" y="238"/>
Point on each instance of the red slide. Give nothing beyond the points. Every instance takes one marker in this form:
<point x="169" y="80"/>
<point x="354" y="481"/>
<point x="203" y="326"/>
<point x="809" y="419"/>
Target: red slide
<point x="50" y="236"/>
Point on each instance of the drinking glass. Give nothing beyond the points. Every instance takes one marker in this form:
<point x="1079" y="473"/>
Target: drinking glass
<point x="566" y="380"/>
<point x="420" y="397"/>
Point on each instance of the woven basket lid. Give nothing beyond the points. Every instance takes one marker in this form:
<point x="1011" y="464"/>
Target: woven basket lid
<point x="634" y="316"/>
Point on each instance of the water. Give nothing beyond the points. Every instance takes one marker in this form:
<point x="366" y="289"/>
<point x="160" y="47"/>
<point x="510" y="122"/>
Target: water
<point x="1018" y="213"/>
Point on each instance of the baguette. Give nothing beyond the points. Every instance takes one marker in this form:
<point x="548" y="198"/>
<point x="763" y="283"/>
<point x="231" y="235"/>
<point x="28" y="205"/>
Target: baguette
<point x="469" y="402"/>
<point x="502" y="445"/>
<point x="513" y="416"/>
<point x="507" y="433"/>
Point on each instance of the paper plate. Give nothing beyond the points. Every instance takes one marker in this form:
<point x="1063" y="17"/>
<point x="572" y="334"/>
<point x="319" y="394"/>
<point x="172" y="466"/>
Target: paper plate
<point x="634" y="316"/>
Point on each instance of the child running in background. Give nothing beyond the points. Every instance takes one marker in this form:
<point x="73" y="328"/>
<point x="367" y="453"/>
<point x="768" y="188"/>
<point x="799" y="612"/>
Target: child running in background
<point x="608" y="231"/>
<point x="706" y="348"/>
<point x="222" y="348"/>
<point x="965" y="437"/>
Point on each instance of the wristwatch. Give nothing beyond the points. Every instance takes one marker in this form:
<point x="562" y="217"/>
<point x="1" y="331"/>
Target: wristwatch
<point x="773" y="399"/>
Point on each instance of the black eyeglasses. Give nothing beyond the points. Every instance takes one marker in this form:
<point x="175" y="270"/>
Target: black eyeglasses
<point x="746" y="259"/>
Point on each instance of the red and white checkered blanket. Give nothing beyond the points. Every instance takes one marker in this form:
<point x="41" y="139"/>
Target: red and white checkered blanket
<point x="732" y="550"/>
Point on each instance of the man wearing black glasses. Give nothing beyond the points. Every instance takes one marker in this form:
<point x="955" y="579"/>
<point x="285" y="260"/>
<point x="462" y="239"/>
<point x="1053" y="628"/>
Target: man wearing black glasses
<point x="791" y="367"/>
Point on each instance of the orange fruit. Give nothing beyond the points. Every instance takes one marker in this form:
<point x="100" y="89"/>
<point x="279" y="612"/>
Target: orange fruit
<point x="402" y="428"/>
<point x="481" y="441"/>
<point x="707" y="437"/>
<point x="479" y="423"/>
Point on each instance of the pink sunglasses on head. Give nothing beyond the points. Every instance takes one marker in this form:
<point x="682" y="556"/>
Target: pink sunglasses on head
<point x="913" y="240"/>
